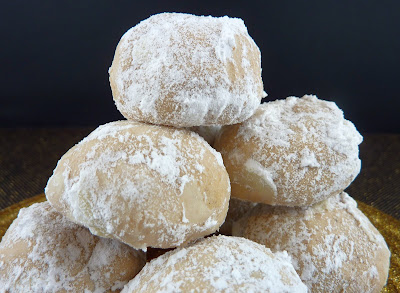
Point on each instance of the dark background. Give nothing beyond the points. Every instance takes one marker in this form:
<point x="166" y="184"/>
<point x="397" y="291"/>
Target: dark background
<point x="55" y="55"/>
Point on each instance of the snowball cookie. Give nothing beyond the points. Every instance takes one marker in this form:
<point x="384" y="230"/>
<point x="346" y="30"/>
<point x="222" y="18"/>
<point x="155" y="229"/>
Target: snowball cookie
<point x="145" y="185"/>
<point x="218" y="264"/>
<point x="44" y="252"/>
<point x="207" y="132"/>
<point x="292" y="152"/>
<point x="334" y="247"/>
<point x="185" y="70"/>
<point x="237" y="209"/>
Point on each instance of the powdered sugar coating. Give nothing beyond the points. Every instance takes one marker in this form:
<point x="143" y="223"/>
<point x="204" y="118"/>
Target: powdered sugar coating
<point x="44" y="252"/>
<point x="334" y="247"/>
<point x="185" y="70"/>
<point x="293" y="152"/>
<point x="218" y="264"/>
<point x="145" y="185"/>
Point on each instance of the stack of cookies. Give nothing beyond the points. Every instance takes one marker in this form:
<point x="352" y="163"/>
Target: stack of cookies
<point x="154" y="181"/>
<point x="295" y="157"/>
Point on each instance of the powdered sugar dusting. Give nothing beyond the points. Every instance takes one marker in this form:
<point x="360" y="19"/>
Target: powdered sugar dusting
<point x="332" y="243"/>
<point x="219" y="264"/>
<point x="187" y="63"/>
<point x="163" y="156"/>
<point x="278" y="121"/>
<point x="309" y="150"/>
<point x="114" y="180"/>
<point x="44" y="252"/>
<point x="308" y="159"/>
<point x="252" y="166"/>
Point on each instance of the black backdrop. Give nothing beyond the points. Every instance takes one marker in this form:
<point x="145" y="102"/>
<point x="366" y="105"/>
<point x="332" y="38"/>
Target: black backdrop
<point x="55" y="55"/>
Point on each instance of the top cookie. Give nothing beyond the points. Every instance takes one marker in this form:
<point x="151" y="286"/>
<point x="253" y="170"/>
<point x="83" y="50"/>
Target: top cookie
<point x="184" y="70"/>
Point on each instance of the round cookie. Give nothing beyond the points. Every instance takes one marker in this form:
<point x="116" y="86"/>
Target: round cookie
<point x="145" y="185"/>
<point x="218" y="264"/>
<point x="291" y="152"/>
<point x="44" y="252"/>
<point x="237" y="209"/>
<point x="185" y="70"/>
<point x="334" y="247"/>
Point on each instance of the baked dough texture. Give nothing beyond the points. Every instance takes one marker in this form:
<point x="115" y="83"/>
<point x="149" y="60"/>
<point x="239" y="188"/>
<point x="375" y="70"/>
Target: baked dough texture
<point x="184" y="70"/>
<point x="334" y="246"/>
<point x="218" y="264"/>
<point x="292" y="152"/>
<point x="44" y="252"/>
<point x="145" y="185"/>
